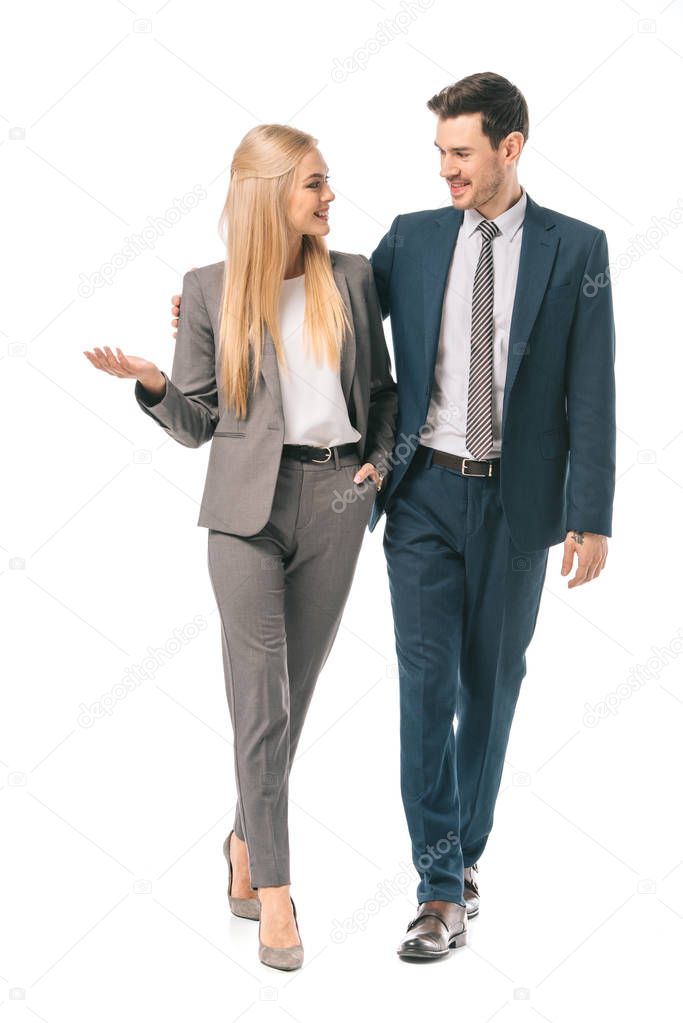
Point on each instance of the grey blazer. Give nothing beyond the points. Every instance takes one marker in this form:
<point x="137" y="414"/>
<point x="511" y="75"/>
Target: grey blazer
<point x="245" y="454"/>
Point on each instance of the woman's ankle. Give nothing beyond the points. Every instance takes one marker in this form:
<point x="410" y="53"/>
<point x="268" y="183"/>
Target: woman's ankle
<point x="275" y="895"/>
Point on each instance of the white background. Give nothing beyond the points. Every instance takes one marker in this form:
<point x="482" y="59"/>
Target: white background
<point x="113" y="880"/>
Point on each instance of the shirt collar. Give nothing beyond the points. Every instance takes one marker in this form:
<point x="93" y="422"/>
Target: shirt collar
<point x="508" y="222"/>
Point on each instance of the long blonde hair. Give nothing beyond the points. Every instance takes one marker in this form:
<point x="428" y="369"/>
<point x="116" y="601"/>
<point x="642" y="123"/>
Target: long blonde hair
<point x="254" y="225"/>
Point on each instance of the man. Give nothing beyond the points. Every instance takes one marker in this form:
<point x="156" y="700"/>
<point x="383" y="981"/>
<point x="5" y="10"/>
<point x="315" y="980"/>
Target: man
<point x="503" y="333"/>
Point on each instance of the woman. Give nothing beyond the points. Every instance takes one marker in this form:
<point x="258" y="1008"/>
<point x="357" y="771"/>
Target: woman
<point x="281" y="362"/>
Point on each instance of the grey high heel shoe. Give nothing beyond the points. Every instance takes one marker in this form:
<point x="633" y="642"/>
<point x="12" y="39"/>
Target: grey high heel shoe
<point x="282" y="958"/>
<point x="250" y="909"/>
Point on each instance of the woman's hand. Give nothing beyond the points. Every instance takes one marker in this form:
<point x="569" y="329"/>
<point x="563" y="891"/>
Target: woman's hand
<point x="128" y="366"/>
<point x="369" y="470"/>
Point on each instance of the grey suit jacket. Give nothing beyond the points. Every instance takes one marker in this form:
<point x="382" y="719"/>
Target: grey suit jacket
<point x="245" y="454"/>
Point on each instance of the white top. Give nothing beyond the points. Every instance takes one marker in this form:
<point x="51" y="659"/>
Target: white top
<point x="313" y="402"/>
<point x="449" y="394"/>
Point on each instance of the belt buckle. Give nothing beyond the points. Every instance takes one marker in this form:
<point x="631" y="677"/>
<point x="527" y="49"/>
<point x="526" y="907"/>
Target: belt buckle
<point x="321" y="461"/>
<point x="477" y="474"/>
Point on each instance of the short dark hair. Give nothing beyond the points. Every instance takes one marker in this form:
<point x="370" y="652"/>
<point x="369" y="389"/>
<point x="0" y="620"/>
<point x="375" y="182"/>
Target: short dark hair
<point x="502" y="107"/>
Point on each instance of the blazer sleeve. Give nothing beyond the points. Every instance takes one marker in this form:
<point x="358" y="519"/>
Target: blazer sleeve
<point x="188" y="410"/>
<point x="590" y="392"/>
<point x="383" y="395"/>
<point x="382" y="262"/>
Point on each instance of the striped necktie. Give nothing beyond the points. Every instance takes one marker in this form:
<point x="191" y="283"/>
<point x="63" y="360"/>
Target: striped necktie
<point x="479" y="436"/>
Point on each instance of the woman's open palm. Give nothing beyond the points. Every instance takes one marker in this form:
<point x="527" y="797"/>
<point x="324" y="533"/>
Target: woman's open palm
<point x="121" y="365"/>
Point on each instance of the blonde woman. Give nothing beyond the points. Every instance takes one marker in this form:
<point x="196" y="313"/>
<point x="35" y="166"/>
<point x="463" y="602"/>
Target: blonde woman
<point x="281" y="363"/>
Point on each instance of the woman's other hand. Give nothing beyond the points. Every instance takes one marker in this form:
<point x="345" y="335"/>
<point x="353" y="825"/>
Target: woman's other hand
<point x="369" y="470"/>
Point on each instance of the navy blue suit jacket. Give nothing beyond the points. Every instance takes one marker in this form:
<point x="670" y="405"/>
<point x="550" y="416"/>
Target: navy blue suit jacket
<point x="557" y="462"/>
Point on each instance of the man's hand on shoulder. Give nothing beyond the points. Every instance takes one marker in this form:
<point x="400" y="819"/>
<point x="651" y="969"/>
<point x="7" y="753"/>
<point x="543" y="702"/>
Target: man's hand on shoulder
<point x="175" y="310"/>
<point x="591" y="551"/>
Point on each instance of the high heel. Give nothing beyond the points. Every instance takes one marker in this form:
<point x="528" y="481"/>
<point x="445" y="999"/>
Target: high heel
<point x="250" y="909"/>
<point x="290" y="958"/>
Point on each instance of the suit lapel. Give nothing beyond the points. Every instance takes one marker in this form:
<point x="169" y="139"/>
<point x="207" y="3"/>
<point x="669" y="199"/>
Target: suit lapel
<point x="440" y="240"/>
<point x="348" y="355"/>
<point x="269" y="366"/>
<point x="537" y="254"/>
<point x="536" y="257"/>
<point x="269" y="369"/>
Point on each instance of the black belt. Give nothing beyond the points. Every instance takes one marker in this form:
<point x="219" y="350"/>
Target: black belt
<point x="309" y="453"/>
<point x="465" y="466"/>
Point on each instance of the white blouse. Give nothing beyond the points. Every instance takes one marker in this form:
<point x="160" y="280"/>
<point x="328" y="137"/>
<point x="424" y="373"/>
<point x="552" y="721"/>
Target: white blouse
<point x="313" y="402"/>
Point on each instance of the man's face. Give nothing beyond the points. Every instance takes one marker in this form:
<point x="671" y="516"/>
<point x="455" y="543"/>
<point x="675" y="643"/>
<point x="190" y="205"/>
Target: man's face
<point x="474" y="171"/>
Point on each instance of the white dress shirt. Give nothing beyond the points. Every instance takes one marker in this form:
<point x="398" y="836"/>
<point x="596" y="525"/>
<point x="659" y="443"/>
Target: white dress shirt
<point x="447" y="414"/>
<point x="313" y="402"/>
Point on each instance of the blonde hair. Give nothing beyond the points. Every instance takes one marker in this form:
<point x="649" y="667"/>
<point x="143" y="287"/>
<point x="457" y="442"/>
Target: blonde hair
<point x="254" y="224"/>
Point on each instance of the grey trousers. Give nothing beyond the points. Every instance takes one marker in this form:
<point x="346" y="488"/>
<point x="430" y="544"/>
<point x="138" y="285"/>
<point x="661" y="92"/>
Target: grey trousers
<point x="280" y="595"/>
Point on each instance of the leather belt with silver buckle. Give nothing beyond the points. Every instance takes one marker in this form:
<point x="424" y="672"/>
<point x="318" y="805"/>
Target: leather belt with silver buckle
<point x="465" y="466"/>
<point x="310" y="453"/>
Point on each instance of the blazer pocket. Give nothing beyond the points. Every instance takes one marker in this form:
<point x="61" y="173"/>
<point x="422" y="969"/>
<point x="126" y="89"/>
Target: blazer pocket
<point x="559" y="290"/>
<point x="553" y="443"/>
<point x="228" y="433"/>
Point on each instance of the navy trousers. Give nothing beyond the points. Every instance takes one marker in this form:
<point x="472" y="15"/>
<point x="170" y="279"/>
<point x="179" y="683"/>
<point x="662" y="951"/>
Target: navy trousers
<point x="465" y="602"/>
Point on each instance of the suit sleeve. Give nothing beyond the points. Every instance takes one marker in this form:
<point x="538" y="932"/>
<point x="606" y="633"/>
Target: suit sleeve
<point x="591" y="399"/>
<point x="188" y="410"/>
<point x="383" y="395"/>
<point x="382" y="262"/>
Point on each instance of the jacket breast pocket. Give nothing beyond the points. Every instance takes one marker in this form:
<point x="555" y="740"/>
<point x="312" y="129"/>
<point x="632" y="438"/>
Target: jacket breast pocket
<point x="558" y="291"/>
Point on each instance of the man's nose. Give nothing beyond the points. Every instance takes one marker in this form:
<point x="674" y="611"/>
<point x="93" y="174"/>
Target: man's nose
<point x="450" y="170"/>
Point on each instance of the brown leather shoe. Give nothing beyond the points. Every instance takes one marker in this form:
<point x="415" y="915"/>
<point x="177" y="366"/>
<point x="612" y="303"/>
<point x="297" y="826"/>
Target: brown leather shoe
<point x="471" y="891"/>
<point x="437" y="927"/>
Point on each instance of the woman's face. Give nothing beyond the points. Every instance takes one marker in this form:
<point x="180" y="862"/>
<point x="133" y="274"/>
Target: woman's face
<point x="311" y="196"/>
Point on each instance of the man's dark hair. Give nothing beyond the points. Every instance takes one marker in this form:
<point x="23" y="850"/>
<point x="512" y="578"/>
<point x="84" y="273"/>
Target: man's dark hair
<point x="502" y="107"/>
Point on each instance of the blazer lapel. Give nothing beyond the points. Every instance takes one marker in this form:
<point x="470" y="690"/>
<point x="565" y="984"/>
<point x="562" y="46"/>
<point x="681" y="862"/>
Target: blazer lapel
<point x="269" y="369"/>
<point x="537" y="254"/>
<point x="269" y="366"/>
<point x="439" y="245"/>
<point x="536" y="258"/>
<point x="348" y="354"/>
